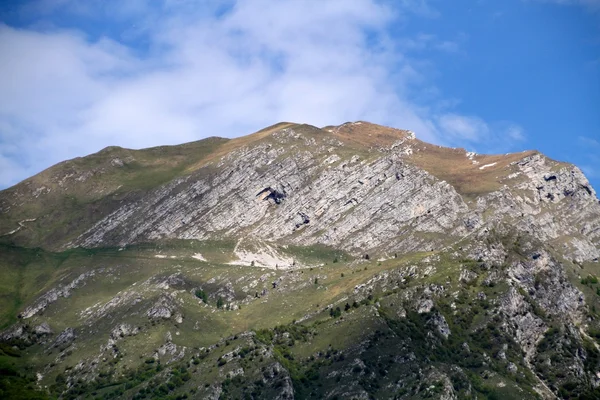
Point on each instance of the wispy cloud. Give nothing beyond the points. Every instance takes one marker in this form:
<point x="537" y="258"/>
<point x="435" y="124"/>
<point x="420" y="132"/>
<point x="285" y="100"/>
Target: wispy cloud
<point x="463" y="127"/>
<point x="588" y="157"/>
<point x="587" y="141"/>
<point x="589" y="171"/>
<point x="420" y="7"/>
<point x="423" y="41"/>
<point x="448" y="46"/>
<point x="477" y="134"/>
<point x="515" y="132"/>
<point x="590" y="4"/>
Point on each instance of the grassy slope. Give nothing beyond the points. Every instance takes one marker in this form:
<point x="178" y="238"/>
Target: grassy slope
<point x="312" y="351"/>
<point x="67" y="198"/>
<point x="449" y="164"/>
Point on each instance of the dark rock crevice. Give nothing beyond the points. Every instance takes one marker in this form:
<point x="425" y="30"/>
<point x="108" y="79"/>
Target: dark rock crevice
<point x="305" y="220"/>
<point x="587" y="189"/>
<point x="269" y="193"/>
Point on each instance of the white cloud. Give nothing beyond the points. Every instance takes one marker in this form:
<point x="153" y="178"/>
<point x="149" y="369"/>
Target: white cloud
<point x="63" y="94"/>
<point x="463" y="127"/>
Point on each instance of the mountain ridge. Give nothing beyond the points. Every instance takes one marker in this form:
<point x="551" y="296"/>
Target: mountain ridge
<point x="468" y="173"/>
<point x="350" y="261"/>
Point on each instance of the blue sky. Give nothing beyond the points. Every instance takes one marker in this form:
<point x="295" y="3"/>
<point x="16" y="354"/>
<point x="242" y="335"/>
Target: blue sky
<point x="489" y="76"/>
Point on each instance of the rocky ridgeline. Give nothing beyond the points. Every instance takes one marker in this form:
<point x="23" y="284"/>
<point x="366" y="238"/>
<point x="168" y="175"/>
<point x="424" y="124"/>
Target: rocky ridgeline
<point x="282" y="191"/>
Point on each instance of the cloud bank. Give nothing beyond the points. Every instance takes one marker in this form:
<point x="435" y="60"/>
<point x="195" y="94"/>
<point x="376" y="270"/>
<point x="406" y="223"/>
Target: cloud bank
<point x="185" y="70"/>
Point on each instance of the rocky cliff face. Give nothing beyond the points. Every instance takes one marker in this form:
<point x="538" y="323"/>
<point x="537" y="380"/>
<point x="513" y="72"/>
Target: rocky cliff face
<point x="280" y="192"/>
<point x="302" y="185"/>
<point x="397" y="268"/>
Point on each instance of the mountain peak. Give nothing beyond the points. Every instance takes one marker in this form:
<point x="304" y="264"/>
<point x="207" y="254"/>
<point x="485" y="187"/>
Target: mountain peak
<point x="350" y="261"/>
<point x="369" y="134"/>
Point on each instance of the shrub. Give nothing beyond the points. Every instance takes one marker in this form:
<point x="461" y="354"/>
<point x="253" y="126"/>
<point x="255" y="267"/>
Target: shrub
<point x="335" y="313"/>
<point x="201" y="294"/>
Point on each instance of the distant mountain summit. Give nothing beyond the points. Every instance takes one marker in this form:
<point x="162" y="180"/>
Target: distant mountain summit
<point x="350" y="261"/>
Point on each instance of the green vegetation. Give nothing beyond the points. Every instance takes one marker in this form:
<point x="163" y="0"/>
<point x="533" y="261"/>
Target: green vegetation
<point x="14" y="382"/>
<point x="378" y="326"/>
<point x="589" y="280"/>
<point x="335" y="313"/>
<point x="201" y="294"/>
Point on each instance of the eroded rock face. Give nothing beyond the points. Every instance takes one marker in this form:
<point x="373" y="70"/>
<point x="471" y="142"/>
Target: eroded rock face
<point x="544" y="279"/>
<point x="17" y="331"/>
<point x="53" y="294"/>
<point x="522" y="322"/>
<point x="164" y="308"/>
<point x="550" y="202"/>
<point x="43" y="329"/>
<point x="438" y="322"/>
<point x="65" y="338"/>
<point x="274" y="192"/>
<point x="123" y="330"/>
<point x="279" y="374"/>
<point x="353" y="205"/>
<point x="303" y="185"/>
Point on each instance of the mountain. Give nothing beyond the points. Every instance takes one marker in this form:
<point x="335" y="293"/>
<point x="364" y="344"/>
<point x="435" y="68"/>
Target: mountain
<point x="350" y="261"/>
